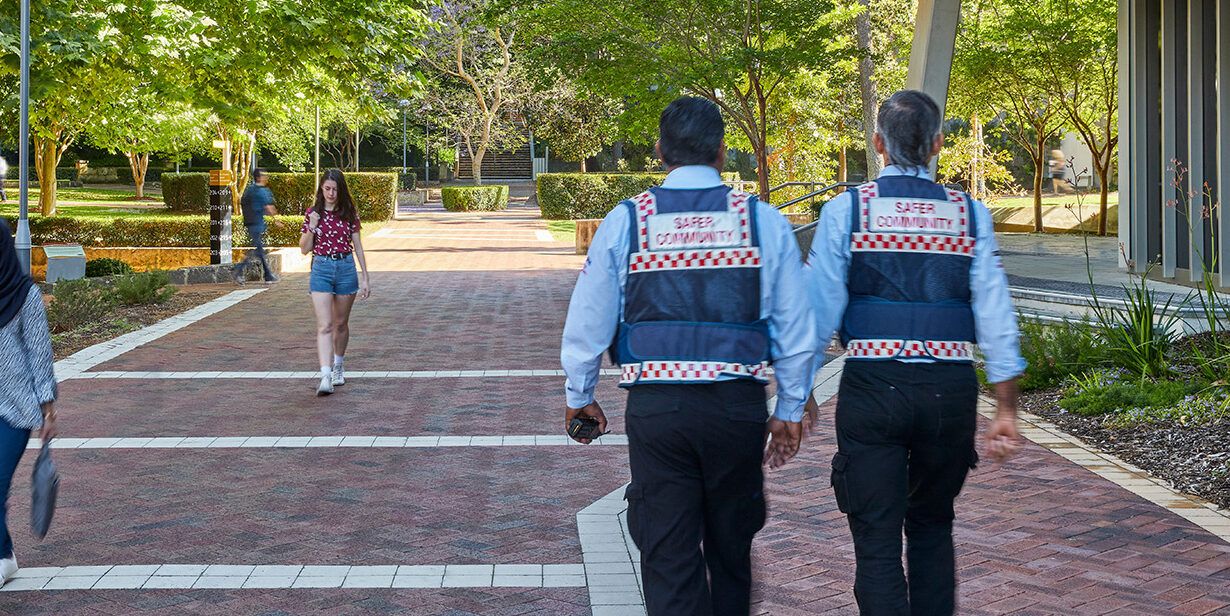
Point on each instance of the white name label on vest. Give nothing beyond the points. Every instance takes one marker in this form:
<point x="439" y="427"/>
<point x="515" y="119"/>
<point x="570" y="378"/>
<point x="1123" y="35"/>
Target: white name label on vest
<point x="906" y="215"/>
<point x="691" y="230"/>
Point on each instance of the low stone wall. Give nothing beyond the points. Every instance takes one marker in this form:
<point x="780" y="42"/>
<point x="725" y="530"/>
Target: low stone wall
<point x="147" y="259"/>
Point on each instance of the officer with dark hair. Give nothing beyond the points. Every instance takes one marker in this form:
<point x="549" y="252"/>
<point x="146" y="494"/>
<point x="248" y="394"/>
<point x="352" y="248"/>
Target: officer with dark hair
<point x="909" y="273"/>
<point x="694" y="289"/>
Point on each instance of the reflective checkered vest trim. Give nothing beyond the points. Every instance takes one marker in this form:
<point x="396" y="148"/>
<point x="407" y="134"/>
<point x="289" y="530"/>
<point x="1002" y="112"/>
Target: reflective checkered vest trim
<point x="691" y="309"/>
<point x="911" y="249"/>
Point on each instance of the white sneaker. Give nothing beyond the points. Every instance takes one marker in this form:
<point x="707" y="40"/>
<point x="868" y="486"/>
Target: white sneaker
<point x="326" y="386"/>
<point x="339" y="376"/>
<point x="8" y="569"/>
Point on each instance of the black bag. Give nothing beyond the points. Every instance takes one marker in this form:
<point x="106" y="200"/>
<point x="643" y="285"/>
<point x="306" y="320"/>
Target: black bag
<point x="44" y="485"/>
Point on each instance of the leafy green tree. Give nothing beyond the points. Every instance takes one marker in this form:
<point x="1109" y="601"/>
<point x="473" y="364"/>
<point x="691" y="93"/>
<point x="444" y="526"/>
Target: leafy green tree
<point x="737" y="54"/>
<point x="270" y="64"/>
<point x="83" y="52"/>
<point x="575" y="121"/>
<point x="1078" y="41"/>
<point x="138" y="125"/>
<point x="472" y="52"/>
<point x="996" y="71"/>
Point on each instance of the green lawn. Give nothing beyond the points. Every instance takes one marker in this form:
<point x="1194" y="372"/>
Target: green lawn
<point x="9" y="208"/>
<point x="1089" y="199"/>
<point x="563" y="230"/>
<point x="112" y="195"/>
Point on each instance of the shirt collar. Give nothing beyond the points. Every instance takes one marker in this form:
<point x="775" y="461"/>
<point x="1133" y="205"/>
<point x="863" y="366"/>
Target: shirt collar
<point x="693" y="177"/>
<point x="914" y="172"/>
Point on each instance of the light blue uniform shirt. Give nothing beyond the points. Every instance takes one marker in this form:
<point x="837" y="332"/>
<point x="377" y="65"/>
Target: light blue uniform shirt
<point x="994" y="315"/>
<point x="597" y="301"/>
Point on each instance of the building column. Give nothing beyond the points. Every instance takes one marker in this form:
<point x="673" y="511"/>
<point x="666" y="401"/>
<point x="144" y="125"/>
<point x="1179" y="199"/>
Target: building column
<point x="935" y="38"/>
<point x="1223" y="141"/>
<point x="1127" y="107"/>
<point x="1195" y="139"/>
<point x="1170" y="40"/>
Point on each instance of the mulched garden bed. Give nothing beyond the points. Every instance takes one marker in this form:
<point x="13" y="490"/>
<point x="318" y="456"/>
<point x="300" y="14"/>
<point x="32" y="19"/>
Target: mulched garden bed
<point x="130" y="318"/>
<point x="1194" y="459"/>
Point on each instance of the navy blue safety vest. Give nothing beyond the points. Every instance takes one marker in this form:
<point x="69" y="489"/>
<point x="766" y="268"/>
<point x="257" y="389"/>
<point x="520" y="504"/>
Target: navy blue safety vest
<point x="691" y="309"/>
<point x="911" y="249"/>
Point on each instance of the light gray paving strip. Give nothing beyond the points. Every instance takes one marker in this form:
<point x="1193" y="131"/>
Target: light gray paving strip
<point x="221" y="576"/>
<point x="302" y="442"/>
<point x="311" y="374"/>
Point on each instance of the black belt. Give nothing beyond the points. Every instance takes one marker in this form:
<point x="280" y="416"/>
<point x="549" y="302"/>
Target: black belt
<point x="337" y="256"/>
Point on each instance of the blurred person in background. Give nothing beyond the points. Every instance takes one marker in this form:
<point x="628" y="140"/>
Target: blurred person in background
<point x="27" y="379"/>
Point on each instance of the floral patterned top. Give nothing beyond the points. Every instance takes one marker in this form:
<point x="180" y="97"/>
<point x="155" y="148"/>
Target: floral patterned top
<point x="334" y="234"/>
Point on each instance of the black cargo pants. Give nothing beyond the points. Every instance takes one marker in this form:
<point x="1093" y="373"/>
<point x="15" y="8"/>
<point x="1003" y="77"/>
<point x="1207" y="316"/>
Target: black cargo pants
<point x="696" y="499"/>
<point x="905" y="443"/>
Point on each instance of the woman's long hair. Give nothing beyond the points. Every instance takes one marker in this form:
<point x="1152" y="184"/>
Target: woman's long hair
<point x="345" y="208"/>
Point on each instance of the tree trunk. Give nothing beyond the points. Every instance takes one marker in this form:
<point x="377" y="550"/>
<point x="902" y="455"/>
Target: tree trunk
<point x="583" y="165"/>
<point x="762" y="169"/>
<point x="867" y="87"/>
<point x="139" y="163"/>
<point x="356" y="150"/>
<point x="477" y="162"/>
<point x="47" y="157"/>
<point x="1104" y="194"/>
<point x="1038" y="177"/>
<point x="1040" y="169"/>
<point x="841" y="164"/>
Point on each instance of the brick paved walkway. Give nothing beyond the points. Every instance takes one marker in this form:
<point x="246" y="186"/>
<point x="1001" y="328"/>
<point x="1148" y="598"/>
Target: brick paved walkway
<point x="269" y="486"/>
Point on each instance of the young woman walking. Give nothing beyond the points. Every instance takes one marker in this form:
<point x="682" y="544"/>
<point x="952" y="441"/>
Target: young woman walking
<point x="27" y="379"/>
<point x="331" y="233"/>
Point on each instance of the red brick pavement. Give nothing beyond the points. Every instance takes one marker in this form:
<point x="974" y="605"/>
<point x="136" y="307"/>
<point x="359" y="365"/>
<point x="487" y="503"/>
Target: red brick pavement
<point x="288" y="407"/>
<point x="335" y="506"/>
<point x="1039" y="536"/>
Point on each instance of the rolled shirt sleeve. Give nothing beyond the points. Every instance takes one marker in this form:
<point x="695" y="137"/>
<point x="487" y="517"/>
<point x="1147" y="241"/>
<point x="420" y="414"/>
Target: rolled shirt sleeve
<point x="791" y="316"/>
<point x="994" y="314"/>
<point x="595" y="308"/>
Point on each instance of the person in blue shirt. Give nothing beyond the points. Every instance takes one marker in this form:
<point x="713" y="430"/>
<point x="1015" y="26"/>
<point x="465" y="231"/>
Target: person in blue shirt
<point x="694" y="289"/>
<point x="908" y="272"/>
<point x="257" y="201"/>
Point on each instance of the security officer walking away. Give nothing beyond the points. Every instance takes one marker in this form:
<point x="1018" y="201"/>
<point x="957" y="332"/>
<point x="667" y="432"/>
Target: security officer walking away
<point x="695" y="289"/>
<point x="909" y="273"/>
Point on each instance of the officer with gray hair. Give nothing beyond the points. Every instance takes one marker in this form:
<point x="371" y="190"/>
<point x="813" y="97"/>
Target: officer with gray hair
<point x="908" y="272"/>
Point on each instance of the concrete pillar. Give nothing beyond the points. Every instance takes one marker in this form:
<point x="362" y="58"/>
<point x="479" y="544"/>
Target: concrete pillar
<point x="1126" y="109"/>
<point x="1195" y="138"/>
<point x="935" y="37"/>
<point x="1223" y="141"/>
<point x="1170" y="40"/>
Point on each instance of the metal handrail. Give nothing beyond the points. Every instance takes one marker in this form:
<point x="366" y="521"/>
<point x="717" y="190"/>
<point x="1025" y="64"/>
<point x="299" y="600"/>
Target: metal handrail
<point x="811" y="185"/>
<point x="812" y="195"/>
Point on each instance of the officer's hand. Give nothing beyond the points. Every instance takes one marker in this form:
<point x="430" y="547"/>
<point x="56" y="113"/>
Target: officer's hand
<point x="812" y="416"/>
<point x="592" y="410"/>
<point x="1002" y="439"/>
<point x="784" y="440"/>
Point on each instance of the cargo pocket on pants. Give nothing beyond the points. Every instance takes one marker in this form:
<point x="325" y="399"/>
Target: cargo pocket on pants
<point x="636" y="514"/>
<point x="841" y="484"/>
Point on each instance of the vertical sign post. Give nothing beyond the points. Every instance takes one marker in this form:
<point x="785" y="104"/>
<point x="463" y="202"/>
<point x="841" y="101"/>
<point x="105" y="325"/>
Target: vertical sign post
<point x="220" y="216"/>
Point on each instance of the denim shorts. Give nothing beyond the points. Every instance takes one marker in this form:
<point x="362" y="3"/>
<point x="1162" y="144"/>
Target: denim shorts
<point x="338" y="277"/>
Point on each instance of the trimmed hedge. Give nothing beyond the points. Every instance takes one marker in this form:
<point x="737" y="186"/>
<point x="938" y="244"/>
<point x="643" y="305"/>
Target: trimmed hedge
<point x="375" y="194"/>
<point x="573" y="196"/>
<point x="152" y="231"/>
<point x="474" y="198"/>
<point x="186" y="192"/>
